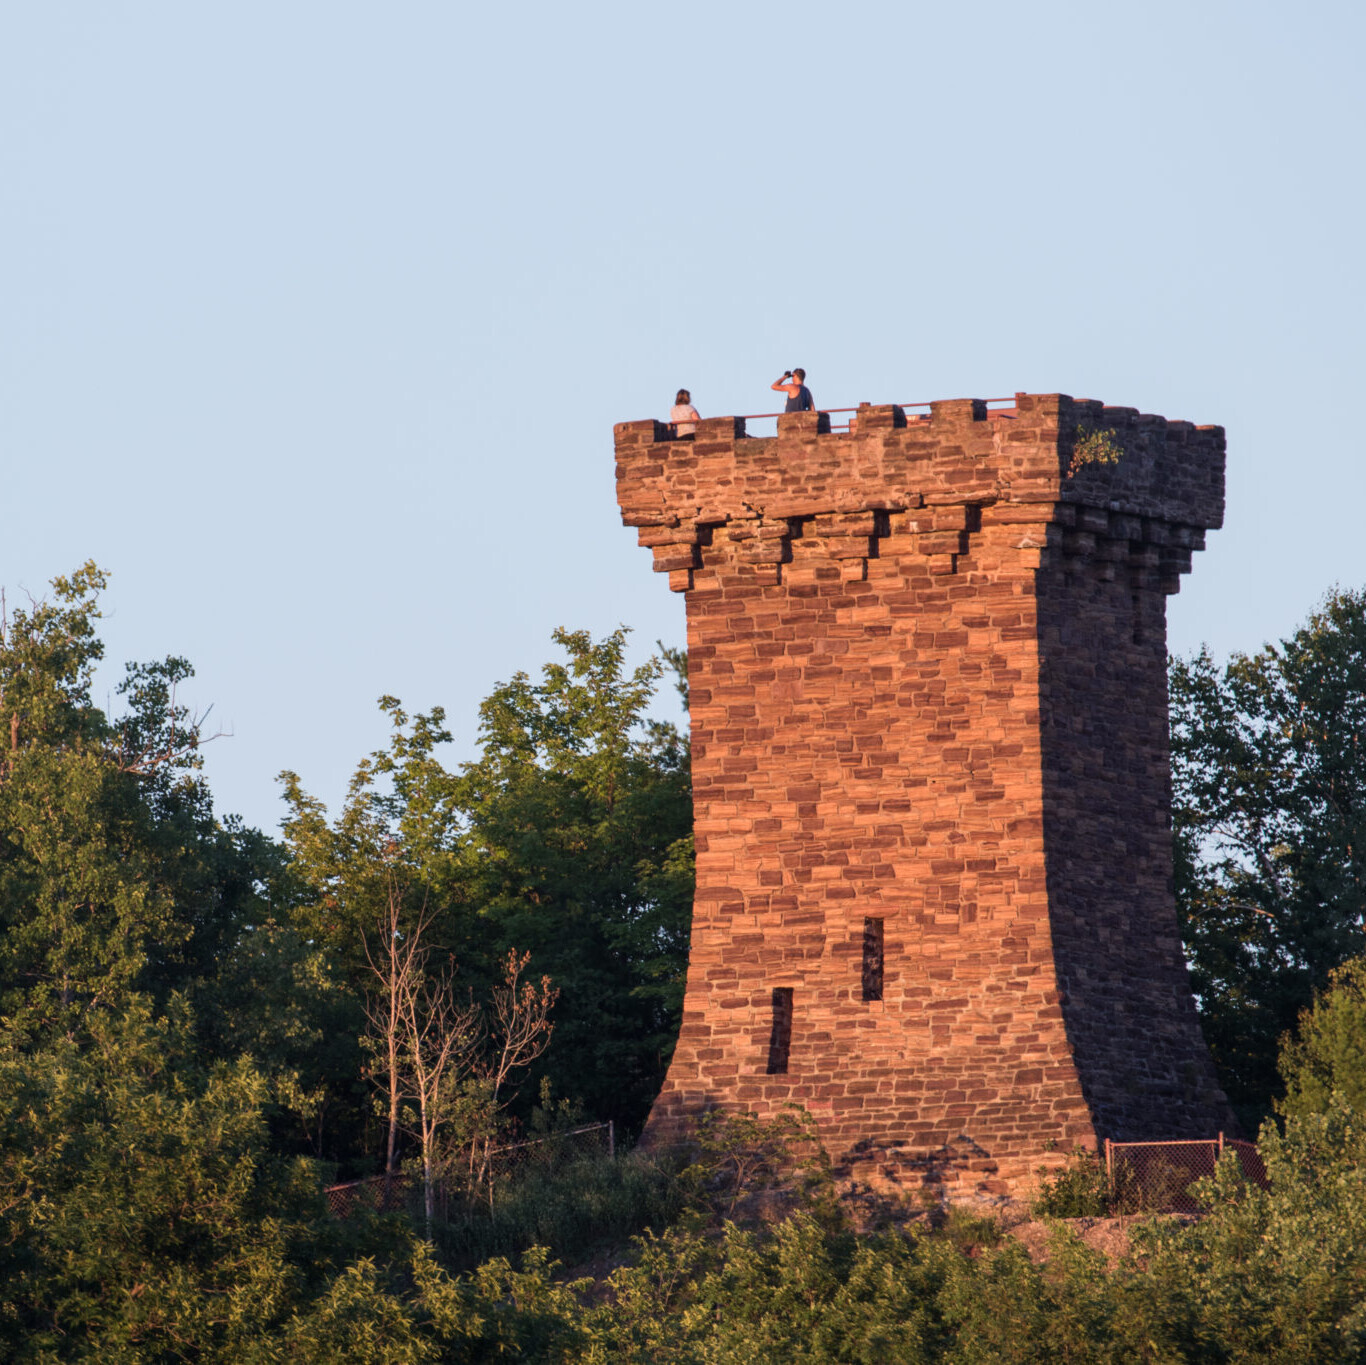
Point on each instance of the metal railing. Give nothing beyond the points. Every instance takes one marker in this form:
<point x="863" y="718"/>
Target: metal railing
<point x="1158" y="1175"/>
<point x="849" y="422"/>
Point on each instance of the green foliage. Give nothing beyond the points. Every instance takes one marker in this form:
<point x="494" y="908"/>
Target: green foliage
<point x="81" y="908"/>
<point x="1092" y="448"/>
<point x="1084" y="1188"/>
<point x="1276" y="1274"/>
<point x="114" y="876"/>
<point x="797" y="1293"/>
<point x="569" y="837"/>
<point x="579" y="850"/>
<point x="282" y="1001"/>
<point x="47" y="663"/>
<point x="578" y="1207"/>
<point x="1328" y="1056"/>
<point x="1269" y="787"/>
<point x="1080" y="1190"/>
<point x="180" y="1004"/>
<point x="399" y="825"/>
<point x="140" y="1204"/>
<point x="740" y="1155"/>
<point x="144" y="1216"/>
<point x="675" y="660"/>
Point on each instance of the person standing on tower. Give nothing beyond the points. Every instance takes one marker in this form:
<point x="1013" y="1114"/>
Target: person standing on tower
<point x="683" y="415"/>
<point x="793" y="384"/>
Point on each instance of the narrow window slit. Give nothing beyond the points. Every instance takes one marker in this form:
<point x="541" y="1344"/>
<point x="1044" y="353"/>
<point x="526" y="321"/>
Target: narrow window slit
<point x="872" y="959"/>
<point x="780" y="1039"/>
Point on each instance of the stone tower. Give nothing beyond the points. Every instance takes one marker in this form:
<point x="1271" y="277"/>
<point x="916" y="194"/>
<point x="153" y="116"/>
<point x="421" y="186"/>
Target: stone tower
<point x="927" y="670"/>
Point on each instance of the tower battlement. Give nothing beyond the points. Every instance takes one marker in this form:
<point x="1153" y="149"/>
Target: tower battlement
<point x="927" y="673"/>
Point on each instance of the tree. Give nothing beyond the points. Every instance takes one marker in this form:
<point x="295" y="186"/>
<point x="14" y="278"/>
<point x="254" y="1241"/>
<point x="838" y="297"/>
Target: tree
<point x="114" y="874"/>
<point x="578" y="849"/>
<point x="397" y="960"/>
<point x="439" y="1036"/>
<point x="515" y="1031"/>
<point x="280" y="1000"/>
<point x="80" y="910"/>
<point x="1328" y="1055"/>
<point x="569" y="838"/>
<point x="142" y="1215"/>
<point x="451" y="1058"/>
<point x="145" y="1217"/>
<point x="398" y="834"/>
<point x="1269" y="787"/>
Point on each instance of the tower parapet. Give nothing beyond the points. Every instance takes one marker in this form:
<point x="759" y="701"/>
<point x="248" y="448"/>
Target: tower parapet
<point x="927" y="678"/>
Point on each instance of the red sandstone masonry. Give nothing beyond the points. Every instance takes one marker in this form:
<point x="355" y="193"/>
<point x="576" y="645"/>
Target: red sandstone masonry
<point x="928" y="687"/>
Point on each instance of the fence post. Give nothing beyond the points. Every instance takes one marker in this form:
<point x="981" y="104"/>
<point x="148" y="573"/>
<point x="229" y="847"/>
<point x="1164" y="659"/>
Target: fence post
<point x="1109" y="1163"/>
<point x="611" y="1140"/>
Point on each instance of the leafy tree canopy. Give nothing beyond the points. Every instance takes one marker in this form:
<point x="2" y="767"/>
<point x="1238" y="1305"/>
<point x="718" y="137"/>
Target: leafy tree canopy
<point x="114" y="875"/>
<point x="1328" y="1055"/>
<point x="1269" y="785"/>
<point x="569" y="837"/>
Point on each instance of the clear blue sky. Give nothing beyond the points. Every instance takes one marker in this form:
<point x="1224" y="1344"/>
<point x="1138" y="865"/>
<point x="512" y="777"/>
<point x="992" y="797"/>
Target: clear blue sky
<point x="316" y="317"/>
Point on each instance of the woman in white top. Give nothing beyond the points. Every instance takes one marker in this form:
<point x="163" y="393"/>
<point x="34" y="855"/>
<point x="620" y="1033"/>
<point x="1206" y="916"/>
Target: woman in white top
<point x="683" y="415"/>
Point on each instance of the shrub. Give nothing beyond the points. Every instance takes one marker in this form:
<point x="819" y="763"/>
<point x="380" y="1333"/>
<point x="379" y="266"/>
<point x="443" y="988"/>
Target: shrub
<point x="1085" y="1189"/>
<point x="1277" y="1274"/>
<point x="573" y="1210"/>
<point x="1330" y="1052"/>
<point x="1080" y="1190"/>
<point x="1093" y="448"/>
<point x="739" y="1155"/>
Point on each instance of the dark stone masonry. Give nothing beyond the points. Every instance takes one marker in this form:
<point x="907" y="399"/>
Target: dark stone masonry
<point x="927" y="668"/>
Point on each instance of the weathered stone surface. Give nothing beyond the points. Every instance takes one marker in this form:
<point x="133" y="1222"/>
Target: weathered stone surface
<point x="928" y="703"/>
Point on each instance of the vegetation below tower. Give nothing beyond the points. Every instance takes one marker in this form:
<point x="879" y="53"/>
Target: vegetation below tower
<point x="202" y="1027"/>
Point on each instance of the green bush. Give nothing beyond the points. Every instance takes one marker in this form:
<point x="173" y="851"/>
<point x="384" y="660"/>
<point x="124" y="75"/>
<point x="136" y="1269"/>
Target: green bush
<point x="1080" y="1190"/>
<point x="1085" y="1189"/>
<point x="1329" y="1053"/>
<point x="574" y="1210"/>
<point x="738" y="1156"/>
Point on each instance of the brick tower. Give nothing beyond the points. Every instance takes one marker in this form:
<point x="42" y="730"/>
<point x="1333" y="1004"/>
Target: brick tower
<point x="927" y="667"/>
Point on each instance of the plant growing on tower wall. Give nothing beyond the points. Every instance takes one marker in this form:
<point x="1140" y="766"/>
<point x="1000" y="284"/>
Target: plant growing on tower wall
<point x="1093" y="448"/>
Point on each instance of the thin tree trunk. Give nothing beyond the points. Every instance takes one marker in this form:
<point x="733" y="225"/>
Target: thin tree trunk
<point x="391" y="1039"/>
<point x="428" y="1138"/>
<point x="391" y="1151"/>
<point x="428" y="1188"/>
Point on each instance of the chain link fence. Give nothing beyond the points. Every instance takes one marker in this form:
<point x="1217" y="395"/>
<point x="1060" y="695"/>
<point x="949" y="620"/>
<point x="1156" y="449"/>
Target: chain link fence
<point x="1158" y="1175"/>
<point x="500" y="1165"/>
<point x="558" y="1149"/>
<point x="375" y="1194"/>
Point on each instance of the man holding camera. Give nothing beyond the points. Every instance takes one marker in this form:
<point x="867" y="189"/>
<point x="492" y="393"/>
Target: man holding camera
<point x="793" y="384"/>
